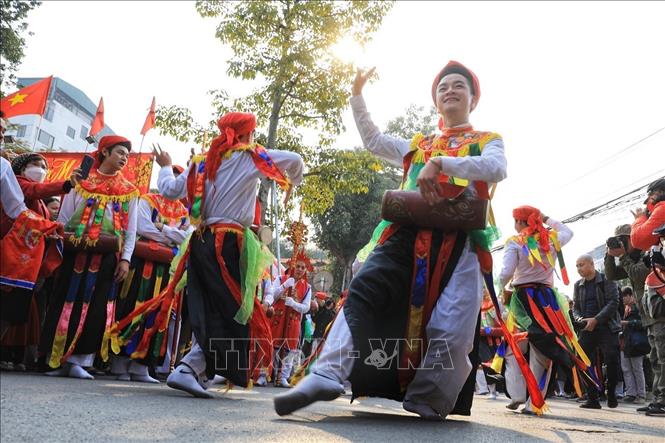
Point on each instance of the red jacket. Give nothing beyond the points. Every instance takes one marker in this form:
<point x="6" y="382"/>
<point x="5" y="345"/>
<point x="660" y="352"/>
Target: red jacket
<point x="641" y="233"/>
<point x="34" y="193"/>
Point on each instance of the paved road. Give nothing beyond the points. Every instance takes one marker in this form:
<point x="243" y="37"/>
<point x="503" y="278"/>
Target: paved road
<point x="39" y="408"/>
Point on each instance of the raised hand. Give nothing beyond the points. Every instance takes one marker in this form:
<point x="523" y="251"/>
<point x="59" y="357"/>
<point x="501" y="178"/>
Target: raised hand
<point x="360" y="80"/>
<point x="161" y="157"/>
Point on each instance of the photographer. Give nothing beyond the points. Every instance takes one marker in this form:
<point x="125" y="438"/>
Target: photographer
<point x="647" y="231"/>
<point x="325" y="314"/>
<point x="630" y="265"/>
<point x="655" y="305"/>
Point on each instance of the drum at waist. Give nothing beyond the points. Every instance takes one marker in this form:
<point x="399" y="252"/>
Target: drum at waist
<point x="105" y="244"/>
<point x="154" y="251"/>
<point x="409" y="208"/>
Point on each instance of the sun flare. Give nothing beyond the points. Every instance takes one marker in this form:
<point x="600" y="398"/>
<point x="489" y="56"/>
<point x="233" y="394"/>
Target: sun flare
<point x="347" y="50"/>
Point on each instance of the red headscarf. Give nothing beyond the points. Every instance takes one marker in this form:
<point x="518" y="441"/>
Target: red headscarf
<point x="534" y="221"/>
<point x="231" y="126"/>
<point x="109" y="141"/>
<point x="454" y="67"/>
<point x="301" y="256"/>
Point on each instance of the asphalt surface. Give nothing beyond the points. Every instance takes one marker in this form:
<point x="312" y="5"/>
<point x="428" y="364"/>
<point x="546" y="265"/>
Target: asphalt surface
<point x="39" y="408"/>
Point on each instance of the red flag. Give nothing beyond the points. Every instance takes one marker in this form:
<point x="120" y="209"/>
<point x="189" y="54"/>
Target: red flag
<point x="98" y="121"/>
<point x="149" y="119"/>
<point x="29" y="100"/>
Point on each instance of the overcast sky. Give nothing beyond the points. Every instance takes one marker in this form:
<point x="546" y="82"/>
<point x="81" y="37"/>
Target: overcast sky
<point x="567" y="84"/>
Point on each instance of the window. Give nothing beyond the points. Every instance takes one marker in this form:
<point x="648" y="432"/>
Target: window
<point x="20" y="132"/>
<point x="45" y="138"/>
<point x="71" y="133"/>
<point x="84" y="132"/>
<point x="50" y="109"/>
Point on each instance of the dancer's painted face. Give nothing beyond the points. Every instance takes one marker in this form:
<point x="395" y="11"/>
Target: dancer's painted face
<point x="300" y="270"/>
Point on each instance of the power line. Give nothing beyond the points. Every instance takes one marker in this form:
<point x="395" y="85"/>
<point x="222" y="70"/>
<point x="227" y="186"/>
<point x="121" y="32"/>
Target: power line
<point x="614" y="157"/>
<point x="613" y="204"/>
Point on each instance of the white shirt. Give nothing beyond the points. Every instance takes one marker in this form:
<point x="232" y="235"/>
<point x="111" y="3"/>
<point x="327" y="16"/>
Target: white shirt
<point x="10" y="191"/>
<point x="490" y="166"/>
<point x="169" y="235"/>
<point x="73" y="200"/>
<point x="231" y="198"/>
<point x="278" y="290"/>
<point x="516" y="264"/>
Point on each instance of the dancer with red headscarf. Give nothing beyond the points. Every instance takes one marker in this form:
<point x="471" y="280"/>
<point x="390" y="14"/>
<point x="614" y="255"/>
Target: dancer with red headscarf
<point x="290" y="299"/>
<point x="225" y="258"/>
<point x="408" y="324"/>
<point x="99" y="215"/>
<point x="536" y="308"/>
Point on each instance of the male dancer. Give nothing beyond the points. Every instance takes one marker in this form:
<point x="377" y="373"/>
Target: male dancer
<point x="418" y="283"/>
<point x="225" y="264"/>
<point x="100" y="212"/>
<point x="535" y="307"/>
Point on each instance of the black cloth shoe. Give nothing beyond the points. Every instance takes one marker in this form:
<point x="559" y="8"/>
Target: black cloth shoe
<point x="612" y="401"/>
<point x="657" y="410"/>
<point x="629" y="399"/>
<point x="646" y="408"/>
<point x="591" y="404"/>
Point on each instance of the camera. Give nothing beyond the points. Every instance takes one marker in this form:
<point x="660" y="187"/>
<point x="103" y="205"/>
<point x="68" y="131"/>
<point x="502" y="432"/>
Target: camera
<point x="618" y="241"/>
<point x="655" y="257"/>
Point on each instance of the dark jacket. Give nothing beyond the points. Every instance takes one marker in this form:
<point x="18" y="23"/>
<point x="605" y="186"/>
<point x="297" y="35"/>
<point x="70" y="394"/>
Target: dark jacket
<point x="633" y="268"/>
<point x="607" y="296"/>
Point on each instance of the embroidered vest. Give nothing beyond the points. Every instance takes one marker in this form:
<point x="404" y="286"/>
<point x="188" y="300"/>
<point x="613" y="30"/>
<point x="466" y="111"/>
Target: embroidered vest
<point x="98" y="192"/>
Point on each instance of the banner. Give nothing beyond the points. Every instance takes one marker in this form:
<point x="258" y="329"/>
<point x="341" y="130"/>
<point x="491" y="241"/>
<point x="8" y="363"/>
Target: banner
<point x="61" y="164"/>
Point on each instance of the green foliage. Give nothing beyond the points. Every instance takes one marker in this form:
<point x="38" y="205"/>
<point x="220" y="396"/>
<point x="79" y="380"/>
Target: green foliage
<point x="12" y="29"/>
<point x="344" y="228"/>
<point x="286" y="46"/>
<point x="335" y="172"/>
<point x="416" y="119"/>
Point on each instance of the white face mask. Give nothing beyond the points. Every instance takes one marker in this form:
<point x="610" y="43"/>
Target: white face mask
<point x="35" y="173"/>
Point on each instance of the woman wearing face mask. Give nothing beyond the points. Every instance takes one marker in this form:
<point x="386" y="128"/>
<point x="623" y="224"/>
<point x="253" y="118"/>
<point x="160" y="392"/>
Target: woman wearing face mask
<point x="30" y="170"/>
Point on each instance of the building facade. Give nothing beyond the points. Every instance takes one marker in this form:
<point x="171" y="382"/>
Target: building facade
<point x="65" y="123"/>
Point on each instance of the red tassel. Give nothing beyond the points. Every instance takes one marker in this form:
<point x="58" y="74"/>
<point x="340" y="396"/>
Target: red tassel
<point x="538" y="315"/>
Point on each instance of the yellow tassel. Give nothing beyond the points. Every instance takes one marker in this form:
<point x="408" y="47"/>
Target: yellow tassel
<point x="115" y="343"/>
<point x="580" y="352"/>
<point x="229" y="386"/>
<point x="76" y="241"/>
<point x="576" y="383"/>
<point x="126" y="284"/>
<point x="497" y="363"/>
<point x="91" y="243"/>
<point x="103" y="199"/>
<point x="415" y="141"/>
<point x="540" y="411"/>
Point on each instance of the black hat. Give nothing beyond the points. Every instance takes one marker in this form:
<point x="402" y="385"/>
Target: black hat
<point x="658" y="185"/>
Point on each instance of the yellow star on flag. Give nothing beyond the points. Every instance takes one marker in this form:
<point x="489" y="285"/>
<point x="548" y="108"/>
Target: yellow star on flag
<point x="18" y="98"/>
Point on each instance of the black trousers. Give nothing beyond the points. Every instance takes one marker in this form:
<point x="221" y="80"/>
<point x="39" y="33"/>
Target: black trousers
<point x="607" y="343"/>
<point x="212" y="307"/>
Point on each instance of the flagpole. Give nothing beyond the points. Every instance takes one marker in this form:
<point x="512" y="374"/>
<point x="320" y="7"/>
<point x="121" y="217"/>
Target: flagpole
<point x="276" y="209"/>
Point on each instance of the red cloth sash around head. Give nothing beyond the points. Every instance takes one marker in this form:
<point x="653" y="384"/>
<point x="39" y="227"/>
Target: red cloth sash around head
<point x="231" y="127"/>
